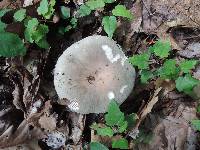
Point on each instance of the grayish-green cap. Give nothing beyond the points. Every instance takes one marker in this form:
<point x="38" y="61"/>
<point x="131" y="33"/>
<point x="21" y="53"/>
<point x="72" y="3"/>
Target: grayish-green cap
<point x="91" y="72"/>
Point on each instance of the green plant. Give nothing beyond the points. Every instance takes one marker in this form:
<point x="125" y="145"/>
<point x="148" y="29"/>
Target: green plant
<point x="115" y="123"/>
<point x="11" y="44"/>
<point x="141" y="60"/>
<point x="109" y="22"/>
<point x="196" y="124"/>
<point x="20" y="15"/>
<point x="36" y="32"/>
<point x="46" y="9"/>
<point x="121" y="11"/>
<point x="170" y="70"/>
<point x="161" y="48"/>
<point x="97" y="146"/>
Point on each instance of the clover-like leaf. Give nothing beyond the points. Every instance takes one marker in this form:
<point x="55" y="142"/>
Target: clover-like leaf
<point x="95" y="4"/>
<point x="161" y="48"/>
<point x="187" y="65"/>
<point x="110" y="24"/>
<point x="20" y="15"/>
<point x="140" y="60"/>
<point x="97" y="146"/>
<point x="114" y="116"/>
<point x="186" y="83"/>
<point x="121" y="10"/>
<point x="11" y="45"/>
<point x="84" y="10"/>
<point x="121" y="143"/>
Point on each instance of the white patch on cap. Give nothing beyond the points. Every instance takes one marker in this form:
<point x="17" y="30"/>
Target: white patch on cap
<point x="74" y="106"/>
<point x="76" y="46"/>
<point x="111" y="95"/>
<point x="123" y="88"/>
<point x="109" y="54"/>
<point x="123" y="60"/>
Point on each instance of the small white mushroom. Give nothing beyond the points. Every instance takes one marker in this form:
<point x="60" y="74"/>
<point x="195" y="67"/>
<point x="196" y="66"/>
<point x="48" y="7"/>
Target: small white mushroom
<point x="91" y="72"/>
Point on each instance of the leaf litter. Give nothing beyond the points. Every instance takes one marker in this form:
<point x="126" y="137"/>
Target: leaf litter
<point x="31" y="111"/>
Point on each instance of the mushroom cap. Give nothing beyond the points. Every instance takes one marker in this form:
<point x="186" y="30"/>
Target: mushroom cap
<point x="91" y="72"/>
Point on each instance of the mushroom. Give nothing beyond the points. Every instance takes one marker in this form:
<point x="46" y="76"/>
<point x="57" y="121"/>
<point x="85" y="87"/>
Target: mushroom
<point x="91" y="72"/>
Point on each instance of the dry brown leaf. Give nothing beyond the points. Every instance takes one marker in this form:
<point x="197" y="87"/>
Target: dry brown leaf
<point x="173" y="131"/>
<point x="143" y="113"/>
<point x="78" y="124"/>
<point x="159" y="15"/>
<point x="167" y="85"/>
<point x="48" y="122"/>
<point x="31" y="145"/>
<point x="22" y="134"/>
<point x="191" y="51"/>
<point x="11" y="4"/>
<point x="150" y="104"/>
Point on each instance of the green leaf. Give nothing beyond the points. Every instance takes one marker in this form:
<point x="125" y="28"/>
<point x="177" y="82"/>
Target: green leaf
<point x="30" y="29"/>
<point x="51" y="9"/>
<point x="11" y="45"/>
<point x="95" y="4"/>
<point x="84" y="10"/>
<point x="2" y="26"/>
<point x="114" y="115"/>
<point x="73" y="22"/>
<point x="121" y="143"/>
<point x="103" y="131"/>
<point x="43" y="43"/>
<point x="120" y="10"/>
<point x="161" y="48"/>
<point x="131" y="119"/>
<point x="46" y="9"/>
<point x="145" y="76"/>
<point x="169" y="70"/>
<point x="97" y="146"/>
<point x="141" y="60"/>
<point x="187" y="65"/>
<point x="3" y="12"/>
<point x="36" y="32"/>
<point x="110" y="24"/>
<point x="186" y="83"/>
<point x="20" y="15"/>
<point x="43" y="8"/>
<point x="41" y="32"/>
<point x="196" y="124"/>
<point x="122" y="128"/>
<point x="65" y="11"/>
<point x="106" y="131"/>
<point x="109" y="1"/>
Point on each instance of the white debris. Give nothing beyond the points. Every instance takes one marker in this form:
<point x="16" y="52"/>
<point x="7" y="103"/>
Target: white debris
<point x="109" y="54"/>
<point x="123" y="88"/>
<point x="27" y="3"/>
<point x="55" y="140"/>
<point x="111" y="95"/>
<point x="35" y="106"/>
<point x="38" y="103"/>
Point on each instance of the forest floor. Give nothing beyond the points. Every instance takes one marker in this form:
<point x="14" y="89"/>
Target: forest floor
<point x="31" y="117"/>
